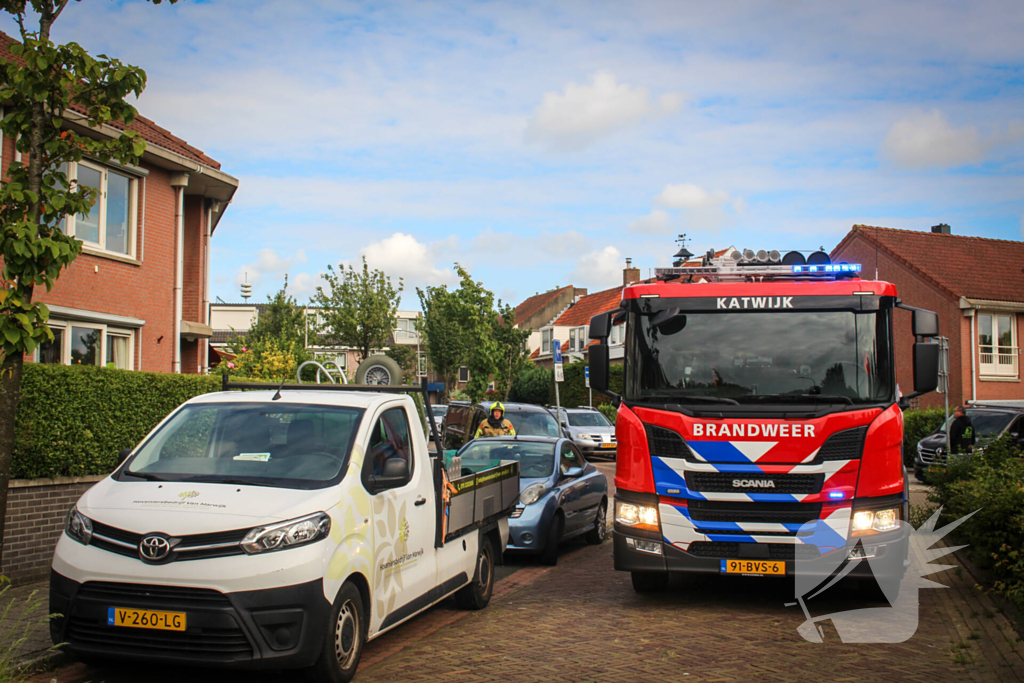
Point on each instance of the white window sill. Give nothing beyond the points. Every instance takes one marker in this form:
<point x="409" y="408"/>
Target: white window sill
<point x="112" y="255"/>
<point x="998" y="378"/>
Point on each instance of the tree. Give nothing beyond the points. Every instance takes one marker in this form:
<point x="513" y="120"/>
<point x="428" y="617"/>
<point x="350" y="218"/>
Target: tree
<point x="405" y="356"/>
<point x="458" y="328"/>
<point x="360" y="308"/>
<point x="282" y="319"/>
<point x="42" y="86"/>
<point x="512" y="355"/>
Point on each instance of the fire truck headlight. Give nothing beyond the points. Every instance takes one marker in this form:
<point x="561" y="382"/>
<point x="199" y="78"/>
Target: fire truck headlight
<point x="637" y="516"/>
<point x="874" y="521"/>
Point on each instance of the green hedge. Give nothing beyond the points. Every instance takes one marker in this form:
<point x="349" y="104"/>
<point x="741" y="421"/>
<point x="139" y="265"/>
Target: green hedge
<point x="74" y="420"/>
<point x="918" y="424"/>
<point x="537" y="385"/>
<point x="989" y="484"/>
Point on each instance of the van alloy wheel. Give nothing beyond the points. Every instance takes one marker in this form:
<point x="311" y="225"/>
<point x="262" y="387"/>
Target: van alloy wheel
<point x="346" y="635"/>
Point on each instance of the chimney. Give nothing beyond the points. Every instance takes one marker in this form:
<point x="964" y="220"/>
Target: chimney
<point x="578" y="293"/>
<point x="941" y="229"/>
<point x="630" y="274"/>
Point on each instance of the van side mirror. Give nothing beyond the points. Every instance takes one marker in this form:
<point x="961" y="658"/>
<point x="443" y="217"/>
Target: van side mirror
<point x="395" y="474"/>
<point x="123" y="455"/>
<point x="925" y="324"/>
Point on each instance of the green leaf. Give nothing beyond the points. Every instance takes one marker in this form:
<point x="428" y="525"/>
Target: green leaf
<point x="12" y="334"/>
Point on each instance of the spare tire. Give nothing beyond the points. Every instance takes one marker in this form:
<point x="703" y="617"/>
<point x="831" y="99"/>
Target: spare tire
<point x="379" y="370"/>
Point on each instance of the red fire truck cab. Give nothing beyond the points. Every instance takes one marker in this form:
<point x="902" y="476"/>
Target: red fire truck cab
<point x="760" y="423"/>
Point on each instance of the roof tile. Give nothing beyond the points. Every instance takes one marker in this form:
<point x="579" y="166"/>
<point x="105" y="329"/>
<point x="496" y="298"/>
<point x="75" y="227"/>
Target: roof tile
<point x="589" y="306"/>
<point x="536" y="303"/>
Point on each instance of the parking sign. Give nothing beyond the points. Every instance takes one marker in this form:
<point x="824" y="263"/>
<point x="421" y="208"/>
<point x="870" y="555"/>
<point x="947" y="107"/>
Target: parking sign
<point x="586" y="376"/>
<point x="558" y="351"/>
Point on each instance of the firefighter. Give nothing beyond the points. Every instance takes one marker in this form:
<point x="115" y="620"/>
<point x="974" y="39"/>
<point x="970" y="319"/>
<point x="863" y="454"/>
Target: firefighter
<point x="496" y="424"/>
<point x="961" y="432"/>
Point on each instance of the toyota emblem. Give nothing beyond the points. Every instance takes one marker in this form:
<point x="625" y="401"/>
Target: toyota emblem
<point x="154" y="548"/>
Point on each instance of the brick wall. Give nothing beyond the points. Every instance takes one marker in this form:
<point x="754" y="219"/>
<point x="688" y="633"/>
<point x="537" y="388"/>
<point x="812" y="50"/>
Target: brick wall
<point x="36" y="513"/>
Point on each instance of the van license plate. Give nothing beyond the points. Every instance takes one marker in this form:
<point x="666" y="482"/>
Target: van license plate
<point x="145" y="618"/>
<point x="756" y="567"/>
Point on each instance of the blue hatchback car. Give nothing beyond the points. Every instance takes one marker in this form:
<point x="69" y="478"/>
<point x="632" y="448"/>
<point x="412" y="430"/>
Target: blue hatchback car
<point x="561" y="495"/>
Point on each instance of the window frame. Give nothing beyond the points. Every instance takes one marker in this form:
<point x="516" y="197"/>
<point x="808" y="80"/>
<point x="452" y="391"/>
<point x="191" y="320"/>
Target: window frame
<point x="464" y="371"/>
<point x="411" y="459"/>
<point x="106" y="331"/>
<point x="546" y="336"/>
<point x="997" y="369"/>
<point x="101" y="205"/>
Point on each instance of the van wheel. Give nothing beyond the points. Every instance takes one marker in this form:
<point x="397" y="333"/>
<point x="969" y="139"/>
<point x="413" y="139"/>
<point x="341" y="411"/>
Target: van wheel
<point x="597" y="535"/>
<point x="550" y="554"/>
<point x="379" y="370"/>
<point x="477" y="594"/>
<point x="344" y="639"/>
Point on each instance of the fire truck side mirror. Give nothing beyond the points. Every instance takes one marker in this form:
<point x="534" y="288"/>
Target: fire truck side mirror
<point x="926" y="366"/>
<point x="599" y="367"/>
<point x="601" y="326"/>
<point x="925" y="323"/>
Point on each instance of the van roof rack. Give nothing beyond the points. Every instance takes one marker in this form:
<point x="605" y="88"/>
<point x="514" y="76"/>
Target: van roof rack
<point x="421" y="388"/>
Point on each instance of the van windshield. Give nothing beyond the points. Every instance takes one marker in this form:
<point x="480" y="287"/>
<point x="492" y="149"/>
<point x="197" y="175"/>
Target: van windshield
<point x="288" y="446"/>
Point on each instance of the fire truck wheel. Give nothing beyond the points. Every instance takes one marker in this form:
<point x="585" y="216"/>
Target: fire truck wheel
<point x="550" y="554"/>
<point x="649" y="582"/>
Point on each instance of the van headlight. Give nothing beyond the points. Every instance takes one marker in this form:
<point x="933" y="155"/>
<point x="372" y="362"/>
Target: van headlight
<point x="78" y="527"/>
<point x="874" y="521"/>
<point x="532" y="494"/>
<point x="300" y="531"/>
<point x="637" y="516"/>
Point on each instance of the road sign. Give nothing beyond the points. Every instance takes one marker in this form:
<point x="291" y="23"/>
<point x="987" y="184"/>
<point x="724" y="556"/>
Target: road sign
<point x="586" y="376"/>
<point x="559" y="375"/>
<point x="558" y="351"/>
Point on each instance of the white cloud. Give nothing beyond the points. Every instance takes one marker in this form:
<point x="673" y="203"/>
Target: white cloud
<point x="927" y="139"/>
<point x="598" y="270"/>
<point x="268" y="263"/>
<point x="582" y="114"/>
<point x="685" y="196"/>
<point x="304" y="285"/>
<point x="403" y="256"/>
<point x="654" y="223"/>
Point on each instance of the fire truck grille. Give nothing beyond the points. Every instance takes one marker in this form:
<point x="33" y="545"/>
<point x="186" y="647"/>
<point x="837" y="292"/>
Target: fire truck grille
<point x="776" y="551"/>
<point x="845" y="445"/>
<point x="725" y="482"/>
<point x="731" y="511"/>
<point x="664" y="443"/>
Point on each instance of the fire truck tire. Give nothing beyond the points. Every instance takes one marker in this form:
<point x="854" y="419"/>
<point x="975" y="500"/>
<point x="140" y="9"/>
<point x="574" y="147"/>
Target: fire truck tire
<point x="379" y="370"/>
<point x="649" y="582"/>
<point x="550" y="554"/>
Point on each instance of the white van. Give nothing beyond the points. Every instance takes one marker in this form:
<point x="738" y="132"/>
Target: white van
<point x="275" y="530"/>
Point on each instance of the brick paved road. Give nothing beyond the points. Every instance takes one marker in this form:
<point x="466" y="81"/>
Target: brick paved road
<point x="581" y="621"/>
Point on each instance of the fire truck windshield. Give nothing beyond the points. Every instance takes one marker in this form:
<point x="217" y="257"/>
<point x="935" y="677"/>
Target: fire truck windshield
<point x="760" y="357"/>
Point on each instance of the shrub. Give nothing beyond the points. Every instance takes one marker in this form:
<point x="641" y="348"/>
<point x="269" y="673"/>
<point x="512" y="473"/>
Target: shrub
<point x="267" y="359"/>
<point x="609" y="411"/>
<point x="918" y="424"/>
<point x="533" y="385"/>
<point x="989" y="482"/>
<point x="74" y="420"/>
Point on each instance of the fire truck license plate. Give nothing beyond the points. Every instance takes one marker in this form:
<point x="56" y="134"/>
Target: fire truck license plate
<point x="146" y="618"/>
<point x="758" y="567"/>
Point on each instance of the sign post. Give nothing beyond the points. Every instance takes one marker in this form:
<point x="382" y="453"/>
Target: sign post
<point x="586" y="380"/>
<point x="559" y="377"/>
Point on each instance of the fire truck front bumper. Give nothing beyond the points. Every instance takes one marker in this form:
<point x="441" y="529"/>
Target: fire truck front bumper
<point x="886" y="556"/>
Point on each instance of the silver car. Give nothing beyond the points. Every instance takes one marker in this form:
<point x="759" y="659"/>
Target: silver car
<point x="589" y="430"/>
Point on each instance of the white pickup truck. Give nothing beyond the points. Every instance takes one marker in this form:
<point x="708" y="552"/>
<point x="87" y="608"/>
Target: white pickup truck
<point x="275" y="530"/>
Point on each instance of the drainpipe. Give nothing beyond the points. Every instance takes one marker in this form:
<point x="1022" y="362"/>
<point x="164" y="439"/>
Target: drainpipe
<point x="178" y="181"/>
<point x="213" y="206"/>
<point x="974" y="374"/>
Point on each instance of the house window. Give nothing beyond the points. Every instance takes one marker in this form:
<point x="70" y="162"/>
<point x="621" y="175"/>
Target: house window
<point x="109" y="225"/>
<point x="87" y="344"/>
<point x="572" y="339"/>
<point x="997" y="344"/>
<point x="405" y="329"/>
<point x="545" y="341"/>
<point x="463" y="374"/>
<point x="616" y="334"/>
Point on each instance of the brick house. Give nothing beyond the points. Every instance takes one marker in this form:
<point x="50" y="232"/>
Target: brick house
<point x="976" y="285"/>
<point x="136" y="298"/>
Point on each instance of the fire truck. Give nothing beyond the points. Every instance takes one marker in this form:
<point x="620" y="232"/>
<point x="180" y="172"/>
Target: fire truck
<point x="760" y="424"/>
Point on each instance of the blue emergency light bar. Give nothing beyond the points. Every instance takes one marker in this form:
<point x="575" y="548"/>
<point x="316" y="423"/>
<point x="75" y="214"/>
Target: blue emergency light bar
<point x="829" y="268"/>
<point x="835" y="495"/>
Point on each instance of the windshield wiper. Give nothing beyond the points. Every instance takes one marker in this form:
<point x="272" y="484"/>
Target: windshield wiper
<point x="145" y="475"/>
<point x="212" y="479"/>
<point x="684" y="397"/>
<point x="826" y="398"/>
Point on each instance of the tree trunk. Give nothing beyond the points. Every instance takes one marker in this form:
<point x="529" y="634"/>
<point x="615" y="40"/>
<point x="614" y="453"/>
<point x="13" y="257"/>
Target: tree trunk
<point x="10" y="389"/>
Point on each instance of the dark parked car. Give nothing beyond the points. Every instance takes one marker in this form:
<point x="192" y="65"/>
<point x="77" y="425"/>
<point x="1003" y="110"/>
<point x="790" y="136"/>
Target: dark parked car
<point x="990" y="420"/>
<point x="463" y="419"/>
<point x="561" y="494"/>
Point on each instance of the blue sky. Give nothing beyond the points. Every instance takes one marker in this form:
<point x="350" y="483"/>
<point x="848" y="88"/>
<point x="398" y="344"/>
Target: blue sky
<point x="540" y="144"/>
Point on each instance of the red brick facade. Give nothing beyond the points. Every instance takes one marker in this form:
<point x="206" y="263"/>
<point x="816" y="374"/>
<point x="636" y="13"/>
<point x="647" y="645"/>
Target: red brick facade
<point x="917" y="288"/>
